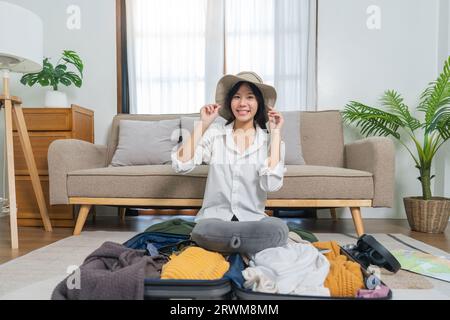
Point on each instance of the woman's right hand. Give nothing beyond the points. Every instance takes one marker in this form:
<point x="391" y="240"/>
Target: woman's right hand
<point x="209" y="113"/>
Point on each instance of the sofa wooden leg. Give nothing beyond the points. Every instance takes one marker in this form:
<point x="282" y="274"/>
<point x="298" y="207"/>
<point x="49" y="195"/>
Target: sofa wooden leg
<point x="333" y="214"/>
<point x="357" y="220"/>
<point x="94" y="213"/>
<point x="82" y="215"/>
<point x="122" y="212"/>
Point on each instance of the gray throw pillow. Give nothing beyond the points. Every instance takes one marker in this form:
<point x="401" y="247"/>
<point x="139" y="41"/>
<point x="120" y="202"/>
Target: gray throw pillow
<point x="290" y="133"/>
<point x="146" y="142"/>
<point x="240" y="236"/>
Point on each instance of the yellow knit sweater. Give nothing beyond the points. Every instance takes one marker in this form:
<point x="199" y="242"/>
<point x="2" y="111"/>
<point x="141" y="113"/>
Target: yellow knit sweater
<point x="345" y="277"/>
<point x="195" y="263"/>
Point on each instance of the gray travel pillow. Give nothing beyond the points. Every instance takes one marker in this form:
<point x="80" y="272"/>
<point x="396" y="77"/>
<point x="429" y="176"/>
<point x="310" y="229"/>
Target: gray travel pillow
<point x="240" y="236"/>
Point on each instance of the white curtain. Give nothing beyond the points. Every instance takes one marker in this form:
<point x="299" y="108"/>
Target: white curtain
<point x="166" y="54"/>
<point x="178" y="50"/>
<point x="276" y="39"/>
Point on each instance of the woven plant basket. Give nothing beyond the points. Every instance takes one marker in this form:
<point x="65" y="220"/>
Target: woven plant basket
<point x="430" y="216"/>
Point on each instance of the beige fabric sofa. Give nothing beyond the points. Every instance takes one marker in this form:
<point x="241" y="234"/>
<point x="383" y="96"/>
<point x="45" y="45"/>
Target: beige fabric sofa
<point x="355" y="175"/>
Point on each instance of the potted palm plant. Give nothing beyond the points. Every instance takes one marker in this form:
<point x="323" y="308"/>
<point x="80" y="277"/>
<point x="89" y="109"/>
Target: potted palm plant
<point x="426" y="213"/>
<point x="53" y="76"/>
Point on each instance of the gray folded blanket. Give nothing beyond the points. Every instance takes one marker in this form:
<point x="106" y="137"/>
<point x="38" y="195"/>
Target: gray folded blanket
<point x="242" y="236"/>
<point x="112" y="272"/>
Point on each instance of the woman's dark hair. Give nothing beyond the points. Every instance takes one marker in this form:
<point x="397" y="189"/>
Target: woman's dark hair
<point x="260" y="116"/>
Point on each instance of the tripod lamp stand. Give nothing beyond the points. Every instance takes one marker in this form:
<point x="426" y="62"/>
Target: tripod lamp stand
<point x="21" y="47"/>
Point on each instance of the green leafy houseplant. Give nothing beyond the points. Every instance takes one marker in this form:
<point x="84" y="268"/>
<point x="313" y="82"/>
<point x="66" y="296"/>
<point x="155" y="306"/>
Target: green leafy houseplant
<point x="59" y="74"/>
<point x="426" y="213"/>
<point x="434" y="103"/>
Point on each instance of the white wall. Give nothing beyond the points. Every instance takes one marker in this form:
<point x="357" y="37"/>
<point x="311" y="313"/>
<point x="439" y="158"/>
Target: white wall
<point x="95" y="42"/>
<point x="356" y="63"/>
<point x="442" y="183"/>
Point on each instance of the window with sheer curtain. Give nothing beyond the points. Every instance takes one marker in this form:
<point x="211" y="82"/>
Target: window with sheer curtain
<point x="178" y="50"/>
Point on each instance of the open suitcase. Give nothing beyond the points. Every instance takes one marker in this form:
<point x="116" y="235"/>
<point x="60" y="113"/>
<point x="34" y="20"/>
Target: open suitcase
<point x="227" y="288"/>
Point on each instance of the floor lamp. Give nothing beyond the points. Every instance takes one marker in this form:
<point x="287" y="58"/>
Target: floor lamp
<point x="21" y="42"/>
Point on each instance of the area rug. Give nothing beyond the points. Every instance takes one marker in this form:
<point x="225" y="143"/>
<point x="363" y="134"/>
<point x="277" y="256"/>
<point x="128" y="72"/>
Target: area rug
<point x="35" y="275"/>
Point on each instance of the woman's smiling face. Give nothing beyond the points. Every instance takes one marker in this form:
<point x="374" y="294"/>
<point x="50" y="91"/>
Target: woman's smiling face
<point x="244" y="104"/>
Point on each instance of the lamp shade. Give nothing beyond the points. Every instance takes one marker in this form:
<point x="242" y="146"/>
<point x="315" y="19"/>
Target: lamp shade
<point x="21" y="39"/>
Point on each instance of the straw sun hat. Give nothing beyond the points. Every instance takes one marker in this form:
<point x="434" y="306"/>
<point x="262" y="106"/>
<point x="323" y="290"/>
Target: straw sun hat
<point x="228" y="81"/>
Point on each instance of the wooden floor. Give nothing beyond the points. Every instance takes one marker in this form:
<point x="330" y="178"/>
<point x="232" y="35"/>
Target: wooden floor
<point x="31" y="238"/>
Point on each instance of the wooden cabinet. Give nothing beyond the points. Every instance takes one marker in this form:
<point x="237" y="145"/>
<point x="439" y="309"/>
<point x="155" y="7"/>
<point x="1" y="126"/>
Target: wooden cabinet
<point x="46" y="125"/>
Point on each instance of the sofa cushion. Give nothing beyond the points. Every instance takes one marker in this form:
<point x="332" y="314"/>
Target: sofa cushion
<point x="322" y="138"/>
<point x="152" y="181"/>
<point x="159" y="181"/>
<point x="146" y="142"/>
<point x="321" y="182"/>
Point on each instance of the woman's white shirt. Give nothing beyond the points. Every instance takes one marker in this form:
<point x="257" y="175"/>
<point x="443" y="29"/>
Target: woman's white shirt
<point x="237" y="182"/>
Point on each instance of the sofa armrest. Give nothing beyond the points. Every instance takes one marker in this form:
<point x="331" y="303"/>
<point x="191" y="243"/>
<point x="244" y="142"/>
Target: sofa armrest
<point x="68" y="155"/>
<point x="377" y="156"/>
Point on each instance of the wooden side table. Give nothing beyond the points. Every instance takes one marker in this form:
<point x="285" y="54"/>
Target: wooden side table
<point x="44" y="126"/>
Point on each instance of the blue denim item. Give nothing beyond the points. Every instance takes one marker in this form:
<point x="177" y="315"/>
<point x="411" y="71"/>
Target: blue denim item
<point x="234" y="274"/>
<point x="157" y="239"/>
<point x="151" y="250"/>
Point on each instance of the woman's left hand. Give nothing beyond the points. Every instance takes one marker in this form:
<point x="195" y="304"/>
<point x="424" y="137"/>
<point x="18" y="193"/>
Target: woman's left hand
<point x="276" y="120"/>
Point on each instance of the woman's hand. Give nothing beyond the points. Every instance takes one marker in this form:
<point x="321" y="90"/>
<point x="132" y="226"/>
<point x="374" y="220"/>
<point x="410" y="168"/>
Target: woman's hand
<point x="209" y="113"/>
<point x="276" y="120"/>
